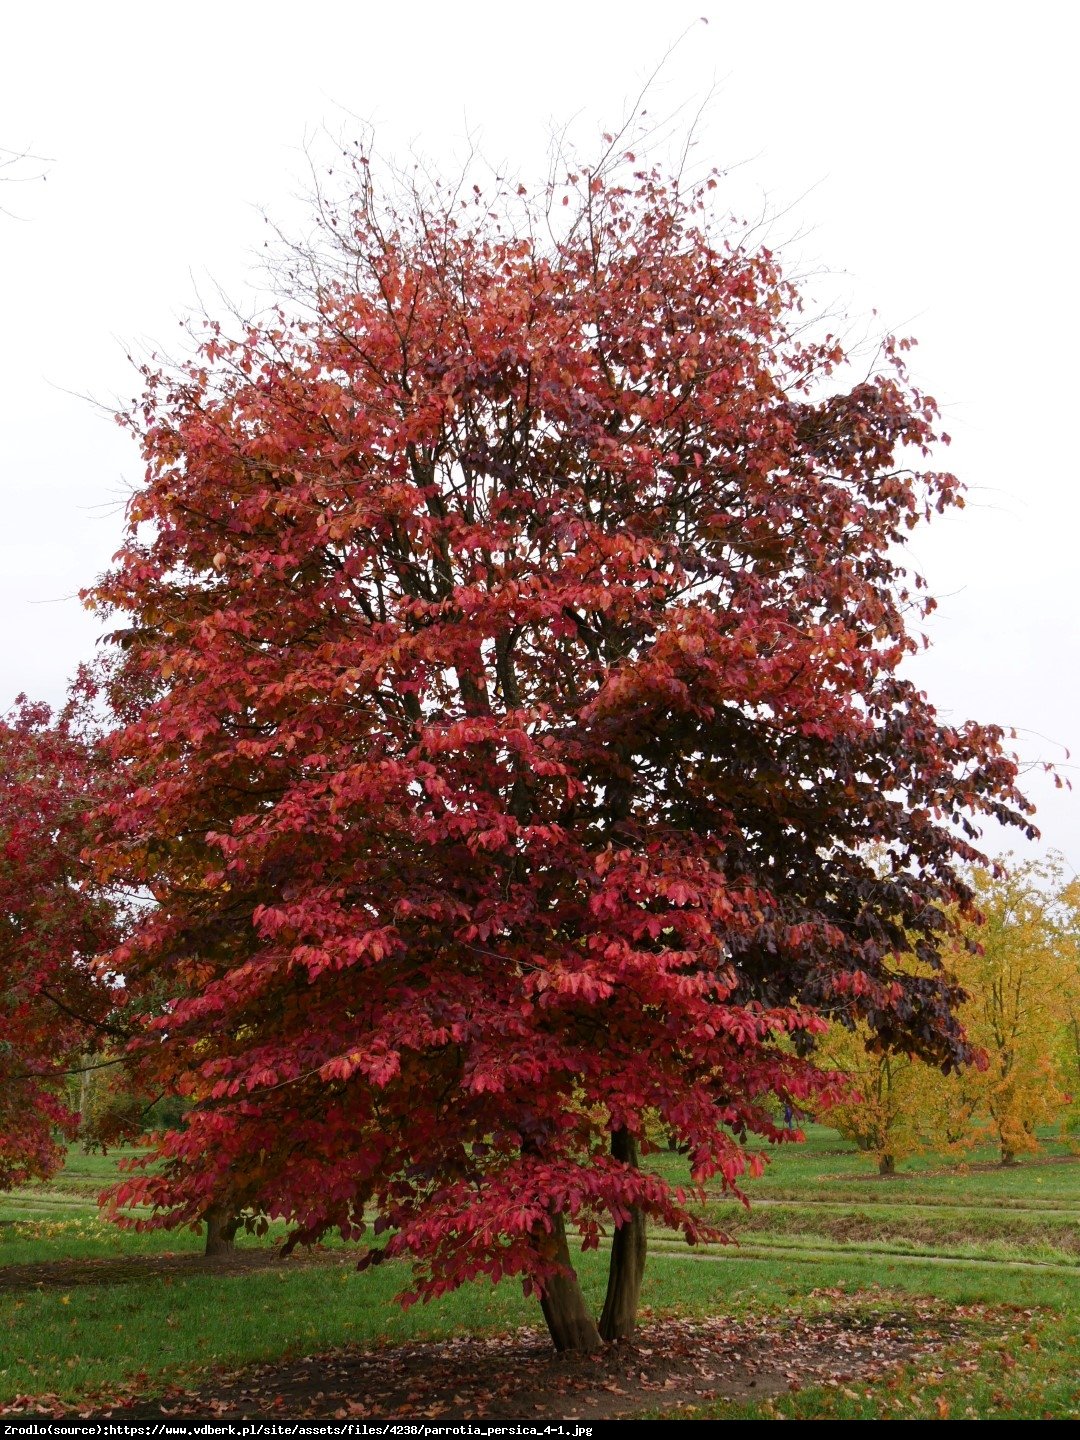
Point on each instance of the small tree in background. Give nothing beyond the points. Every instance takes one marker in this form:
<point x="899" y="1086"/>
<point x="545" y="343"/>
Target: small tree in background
<point x="511" y="630"/>
<point x="896" y="1105"/>
<point x="1017" y="964"/>
<point x="1021" y="977"/>
<point x="1069" y="1039"/>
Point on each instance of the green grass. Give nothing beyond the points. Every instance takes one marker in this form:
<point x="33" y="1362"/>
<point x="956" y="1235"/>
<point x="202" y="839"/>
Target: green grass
<point x="975" y="1238"/>
<point x="109" y="1337"/>
<point x="825" y="1168"/>
<point x="61" y="1219"/>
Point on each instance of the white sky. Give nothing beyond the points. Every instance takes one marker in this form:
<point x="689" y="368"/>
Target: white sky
<point x="926" y="150"/>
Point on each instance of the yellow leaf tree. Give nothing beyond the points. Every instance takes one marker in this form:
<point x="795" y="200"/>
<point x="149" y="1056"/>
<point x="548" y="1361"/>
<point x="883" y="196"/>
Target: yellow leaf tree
<point x="899" y="1106"/>
<point x="1021" y="979"/>
<point x="1068" y="1050"/>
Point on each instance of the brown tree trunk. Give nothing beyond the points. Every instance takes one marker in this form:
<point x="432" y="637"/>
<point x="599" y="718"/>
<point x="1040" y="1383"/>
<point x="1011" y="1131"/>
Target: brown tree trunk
<point x="221" y="1228"/>
<point x="568" y="1319"/>
<point x="887" y="1165"/>
<point x="626" y="1266"/>
<point x="84" y="1096"/>
<point x="1008" y="1157"/>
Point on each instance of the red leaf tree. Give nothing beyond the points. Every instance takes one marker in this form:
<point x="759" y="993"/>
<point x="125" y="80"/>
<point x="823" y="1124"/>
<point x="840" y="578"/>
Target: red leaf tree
<point x="511" y="699"/>
<point x="54" y="921"/>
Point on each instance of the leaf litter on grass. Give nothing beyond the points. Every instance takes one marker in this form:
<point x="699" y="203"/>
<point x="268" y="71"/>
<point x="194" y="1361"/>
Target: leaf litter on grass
<point x="671" y="1363"/>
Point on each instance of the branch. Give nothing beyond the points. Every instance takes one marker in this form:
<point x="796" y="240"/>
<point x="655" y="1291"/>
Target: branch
<point x="84" y="1019"/>
<point x="56" y="1074"/>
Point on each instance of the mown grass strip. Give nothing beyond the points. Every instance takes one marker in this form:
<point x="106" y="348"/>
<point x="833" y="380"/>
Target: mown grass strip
<point x="1067" y="1210"/>
<point x="666" y="1248"/>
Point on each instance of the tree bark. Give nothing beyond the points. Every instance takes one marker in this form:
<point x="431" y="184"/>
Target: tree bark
<point x="887" y="1165"/>
<point x="221" y="1228"/>
<point x="626" y="1266"/>
<point x="84" y="1098"/>
<point x="1008" y="1157"/>
<point x="568" y="1320"/>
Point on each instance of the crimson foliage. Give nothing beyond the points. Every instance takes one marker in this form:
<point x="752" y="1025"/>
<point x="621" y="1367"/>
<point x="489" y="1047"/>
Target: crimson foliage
<point x="513" y="711"/>
<point x="54" y="921"/>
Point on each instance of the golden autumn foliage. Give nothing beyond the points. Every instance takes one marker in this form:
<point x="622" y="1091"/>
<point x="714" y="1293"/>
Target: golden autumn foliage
<point x="899" y="1105"/>
<point x="1068" y="1050"/>
<point x="1022" y="977"/>
<point x="1023" y="989"/>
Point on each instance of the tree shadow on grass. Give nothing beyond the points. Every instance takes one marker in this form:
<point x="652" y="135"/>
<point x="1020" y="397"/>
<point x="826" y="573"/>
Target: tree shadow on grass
<point x="671" y="1363"/>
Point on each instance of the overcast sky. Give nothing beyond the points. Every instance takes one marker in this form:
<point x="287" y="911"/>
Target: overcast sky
<point x="922" y="157"/>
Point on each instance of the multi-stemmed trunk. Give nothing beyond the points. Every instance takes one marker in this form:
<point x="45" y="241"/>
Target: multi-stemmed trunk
<point x="569" y="1320"/>
<point x="626" y="1266"/>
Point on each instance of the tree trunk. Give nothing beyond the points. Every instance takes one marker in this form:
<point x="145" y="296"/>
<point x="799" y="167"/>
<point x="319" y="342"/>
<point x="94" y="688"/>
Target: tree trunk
<point x="627" y="1264"/>
<point x="221" y="1228"/>
<point x="887" y="1165"/>
<point x="84" y="1095"/>
<point x="568" y="1320"/>
<point x="1008" y="1157"/>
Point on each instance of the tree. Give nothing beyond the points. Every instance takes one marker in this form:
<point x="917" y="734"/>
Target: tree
<point x="510" y="630"/>
<point x="54" y="920"/>
<point x="896" y="1105"/>
<point x="1021" y="978"/>
<point x="1069" y="1037"/>
<point x="1016" y="962"/>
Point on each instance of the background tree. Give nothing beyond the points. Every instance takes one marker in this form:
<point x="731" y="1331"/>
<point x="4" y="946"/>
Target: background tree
<point x="897" y="1105"/>
<point x="54" y="921"/>
<point x="1022" y="983"/>
<point x="110" y="1110"/>
<point x="511" y="628"/>
<point x="1069" y="1039"/>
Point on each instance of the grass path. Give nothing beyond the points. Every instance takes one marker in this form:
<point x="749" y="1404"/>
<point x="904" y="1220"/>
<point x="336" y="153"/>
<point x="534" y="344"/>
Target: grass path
<point x="666" y="1248"/>
<point x="819" y="1202"/>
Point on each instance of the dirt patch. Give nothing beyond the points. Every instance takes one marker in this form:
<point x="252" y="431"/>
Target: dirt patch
<point x="670" y="1363"/>
<point x="120" y="1269"/>
<point x="1022" y="1162"/>
<point x="886" y="1177"/>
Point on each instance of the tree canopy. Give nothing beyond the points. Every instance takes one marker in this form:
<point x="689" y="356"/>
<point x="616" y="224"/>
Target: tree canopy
<point x="54" y="922"/>
<point x="510" y="704"/>
<point x="1021" y="975"/>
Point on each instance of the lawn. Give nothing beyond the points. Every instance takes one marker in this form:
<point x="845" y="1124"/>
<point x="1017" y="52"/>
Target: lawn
<point x="1002" y="1245"/>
